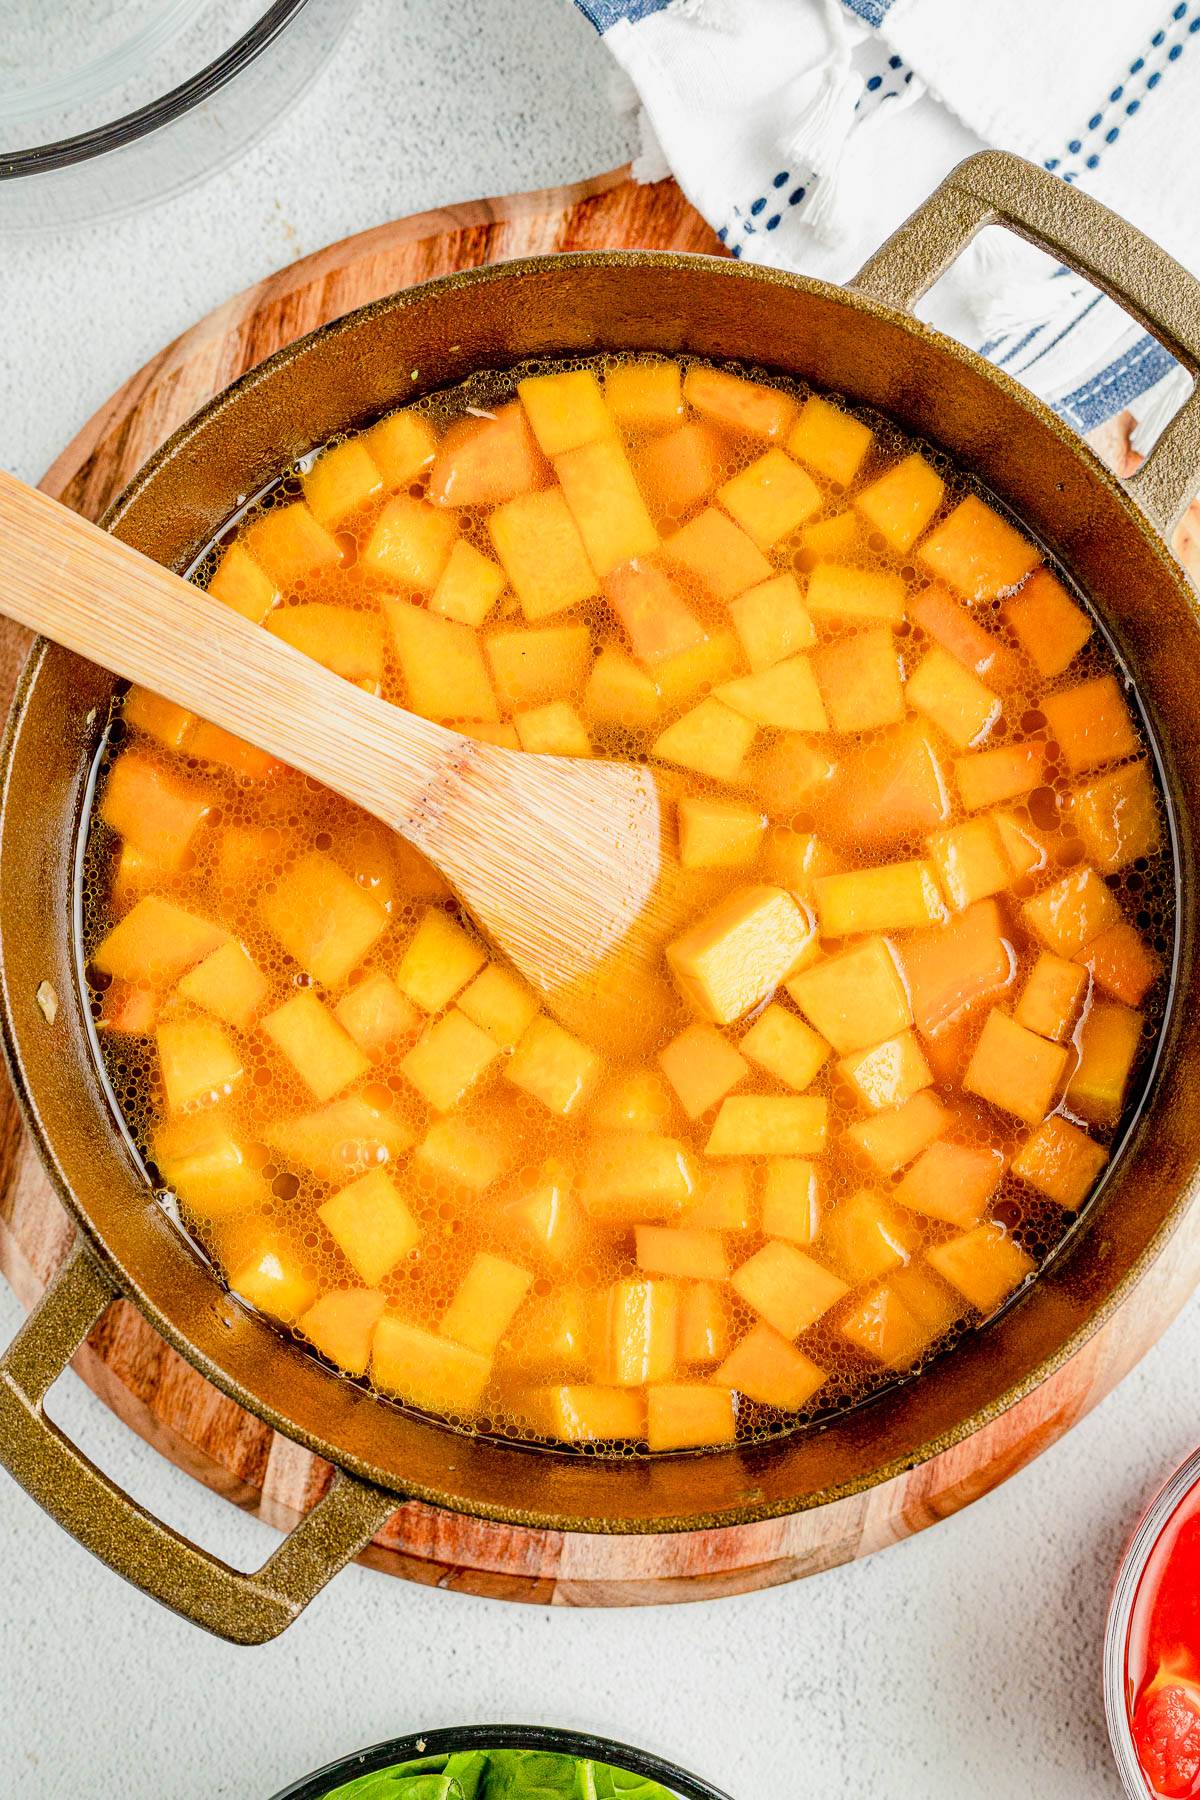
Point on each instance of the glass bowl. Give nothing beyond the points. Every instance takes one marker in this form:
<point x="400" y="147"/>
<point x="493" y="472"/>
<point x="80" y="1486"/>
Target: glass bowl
<point x="110" y="104"/>
<point x="501" y="1737"/>
<point x="1154" y="1521"/>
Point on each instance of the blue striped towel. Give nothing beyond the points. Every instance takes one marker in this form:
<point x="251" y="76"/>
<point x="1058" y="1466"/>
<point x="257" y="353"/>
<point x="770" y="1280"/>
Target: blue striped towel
<point x="806" y="130"/>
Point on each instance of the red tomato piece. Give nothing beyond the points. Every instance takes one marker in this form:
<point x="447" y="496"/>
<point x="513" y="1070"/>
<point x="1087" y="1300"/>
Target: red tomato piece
<point x="1166" y="1731"/>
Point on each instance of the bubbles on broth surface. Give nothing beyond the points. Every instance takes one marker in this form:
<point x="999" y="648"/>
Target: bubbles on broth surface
<point x="501" y="1144"/>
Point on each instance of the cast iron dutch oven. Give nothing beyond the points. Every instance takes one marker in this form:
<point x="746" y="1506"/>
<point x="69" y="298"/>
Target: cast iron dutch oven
<point x="861" y="341"/>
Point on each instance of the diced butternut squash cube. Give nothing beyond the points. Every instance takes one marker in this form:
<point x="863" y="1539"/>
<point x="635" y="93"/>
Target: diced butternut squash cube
<point x="1001" y="774"/>
<point x="619" y="695"/>
<point x="248" y="855"/>
<point x="683" y="1416"/>
<point x="883" y="1327"/>
<point x="712" y="740"/>
<point x="985" y="1264"/>
<point x="427" y="1370"/>
<point x="565" y="409"/>
<point x="323" y="918"/>
<point x="769" y="1125"/>
<point x="792" y="775"/>
<point x="1024" y="844"/>
<point x="949" y="623"/>
<point x="848" y="596"/>
<point x="978" y="552"/>
<point x="928" y="1299"/>
<point x="443" y="668"/>
<point x="893" y="1138"/>
<point x="891" y="788"/>
<point x="1117" y="816"/>
<point x="719" y="554"/>
<point x="377" y="1015"/>
<point x="1050" y="998"/>
<point x="156" y="814"/>
<point x="482" y="462"/>
<point x="209" y="743"/>
<point x="640" y="1328"/>
<point x="722" y="1200"/>
<point x="681" y="1251"/>
<point x="544" y="664"/>
<point x="1109" y="1040"/>
<point x="693" y="672"/>
<point x="791" y="1199"/>
<point x="588" y="1414"/>
<point x="959" y="967"/>
<point x="551" y="1335"/>
<point x="971" y="862"/>
<point x="830" y="440"/>
<point x="1015" y="1069"/>
<point x="737" y="404"/>
<point x="554" y="1067"/>
<point x="274" y="1280"/>
<point x="207" y="1167"/>
<point x="485" y="1303"/>
<point x="771" y="498"/>
<point x="955" y="700"/>
<point x="859" y="680"/>
<point x="658" y="621"/>
<point x="718" y="834"/>
<point x="632" y="1176"/>
<point x="606" y="504"/>
<point x="1061" y="1162"/>
<point x="239" y="582"/>
<point x="340" y="481"/>
<point x="952" y="1182"/>
<point x="155" y="941"/>
<point x="409" y="544"/>
<point x="636" y="1100"/>
<point x="900" y="502"/>
<point x="158" y="718"/>
<point x="787" y="1288"/>
<point x="832" y="537"/>
<point x="645" y="395"/>
<point x="679" y="470"/>
<point x="449" y="1060"/>
<point x="855" y="999"/>
<point x="888" y="1074"/>
<point x="469" y="585"/>
<point x="321" y="1053"/>
<point x="538" y="542"/>
<point x="865" y="1236"/>
<point x="740" y="952"/>
<point x="702" y="1067"/>
<point x="463" y="1152"/>
<point x="342" y="1326"/>
<point x="1071" y="912"/>
<point x="785" y="1047"/>
<point x="129" y="1011"/>
<point x="199" y="1064"/>
<point x="228" y="984"/>
<point x="500" y="1004"/>
<point x="1091" y="724"/>
<point x="1047" y="623"/>
<point x="439" y="961"/>
<point x="371" y="1225"/>
<point x="784" y="697"/>
<point x="346" y="1138"/>
<point x="772" y="621"/>
<point x="893" y="897"/>
<point x="548" y="1214"/>
<point x="703" y="1322"/>
<point x="289" y="544"/>
<point x="794" y="859"/>
<point x="766" y="1368"/>
<point x="402" y="447"/>
<point x="554" y="729"/>
<point x="349" y="643"/>
<point x="1121" y="963"/>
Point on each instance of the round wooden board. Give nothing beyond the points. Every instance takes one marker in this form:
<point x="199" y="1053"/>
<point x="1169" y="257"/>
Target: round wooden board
<point x="154" y="1390"/>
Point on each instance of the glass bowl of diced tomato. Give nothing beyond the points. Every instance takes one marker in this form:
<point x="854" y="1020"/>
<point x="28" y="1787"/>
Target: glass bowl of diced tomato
<point x="1152" y="1647"/>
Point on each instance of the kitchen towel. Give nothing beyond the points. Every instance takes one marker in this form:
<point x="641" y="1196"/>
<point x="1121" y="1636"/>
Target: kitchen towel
<point x="806" y="130"/>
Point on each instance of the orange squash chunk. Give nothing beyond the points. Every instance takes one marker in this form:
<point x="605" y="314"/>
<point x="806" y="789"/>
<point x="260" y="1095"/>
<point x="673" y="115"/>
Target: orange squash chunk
<point x="722" y="1200"/>
<point x="683" y="679"/>
<point x="155" y="941"/>
<point x="588" y="1414"/>
<point x="210" y="743"/>
<point x="469" y="586"/>
<point x="340" y="481"/>
<point x="485" y="1303"/>
<point x="483" y="462"/>
<point x="1048" y="625"/>
<point x="678" y="471"/>
<point x="949" y="623"/>
<point x="410" y="544"/>
<point x="959" y="967"/>
<point x="682" y="1416"/>
<point x="543" y="555"/>
<point x="1061" y="1162"/>
<point x="1001" y="774"/>
<point x="1091" y="724"/>
<point x="830" y="440"/>
<point x="771" y="498"/>
<point x="239" y="582"/>
<point x="1014" y="1069"/>
<point x="644" y="394"/>
<point x="342" y="1326"/>
<point x="401" y="447"/>
<point x="891" y="788"/>
<point x="565" y="409"/>
<point x="546" y="662"/>
<point x="681" y="1251"/>
<point x="426" y="1369"/>
<point x="718" y="834"/>
<point x="712" y="740"/>
<point x="890" y="897"/>
<point x="782" y="698"/>
<point x="883" y="1327"/>
<point x="273" y="1279"/>
<point x="606" y="504"/>
<point x="1109" y="1039"/>
<point x="855" y="596"/>
<point x="289" y="545"/>
<point x="703" y="1322"/>
<point x="1121" y="963"/>
<point x="785" y="1047"/>
<point x="791" y="774"/>
<point x="1117" y="816"/>
<point x="901" y="501"/>
<point x="770" y="1125"/>
<point x="978" y="552"/>
<point x="156" y="814"/>
<point x="956" y="701"/>
<point x="832" y="537"/>
<point x="633" y="1176"/>
<point x="158" y="718"/>
<point x="986" y="1265"/>
<point x="971" y="862"/>
<point x="658" y="621"/>
<point x="888" y="1074"/>
<point x="893" y="1138"/>
<point x="445" y="676"/>
<point x="865" y="1236"/>
<point x="855" y="999"/>
<point x="787" y="1288"/>
<point x="640" y="1332"/>
<point x="795" y="859"/>
<point x="766" y="1368"/>
<point x="740" y="952"/>
<point x="718" y="553"/>
<point x="1051" y="996"/>
<point x="772" y="622"/>
<point x="737" y="404"/>
<point x="952" y="1182"/>
<point x="1072" y="911"/>
<point x="859" y="679"/>
<point x="371" y="1225"/>
<point x="702" y="1067"/>
<point x="791" y="1199"/>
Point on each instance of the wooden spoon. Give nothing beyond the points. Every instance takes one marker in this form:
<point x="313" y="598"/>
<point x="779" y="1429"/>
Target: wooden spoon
<point x="559" y="859"/>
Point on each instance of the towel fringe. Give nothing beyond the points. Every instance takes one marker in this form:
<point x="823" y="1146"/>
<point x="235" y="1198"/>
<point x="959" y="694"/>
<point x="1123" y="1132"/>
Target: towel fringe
<point x="824" y="99"/>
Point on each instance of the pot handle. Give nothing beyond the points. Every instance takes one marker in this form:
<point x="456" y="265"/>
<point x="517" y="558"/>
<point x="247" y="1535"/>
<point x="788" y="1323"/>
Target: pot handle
<point x="243" y="1608"/>
<point x="997" y="188"/>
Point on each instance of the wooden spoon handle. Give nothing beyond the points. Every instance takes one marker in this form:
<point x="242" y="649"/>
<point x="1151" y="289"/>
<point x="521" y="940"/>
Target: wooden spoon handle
<point x="64" y="577"/>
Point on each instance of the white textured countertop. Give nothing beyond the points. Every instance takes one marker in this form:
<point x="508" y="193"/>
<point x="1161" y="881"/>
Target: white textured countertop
<point x="965" y="1662"/>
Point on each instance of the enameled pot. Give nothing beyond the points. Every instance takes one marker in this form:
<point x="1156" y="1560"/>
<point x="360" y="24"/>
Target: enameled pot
<point x="861" y="341"/>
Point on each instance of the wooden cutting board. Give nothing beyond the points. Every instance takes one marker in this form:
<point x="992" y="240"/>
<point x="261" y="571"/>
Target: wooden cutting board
<point x="154" y="1390"/>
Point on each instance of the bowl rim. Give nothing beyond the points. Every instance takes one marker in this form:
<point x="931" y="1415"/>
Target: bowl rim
<point x="450" y="1738"/>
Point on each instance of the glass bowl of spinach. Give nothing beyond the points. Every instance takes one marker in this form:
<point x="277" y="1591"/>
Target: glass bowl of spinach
<point x="501" y="1762"/>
